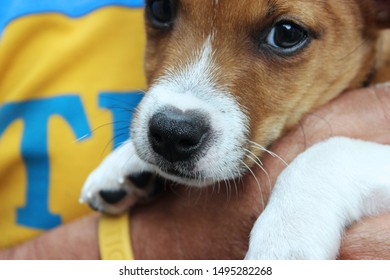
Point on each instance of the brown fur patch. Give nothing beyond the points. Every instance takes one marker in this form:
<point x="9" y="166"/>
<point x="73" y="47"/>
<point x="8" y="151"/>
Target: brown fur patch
<point x="275" y="91"/>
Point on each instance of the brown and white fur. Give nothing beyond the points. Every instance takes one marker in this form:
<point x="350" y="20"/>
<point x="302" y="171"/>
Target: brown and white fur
<point x="214" y="67"/>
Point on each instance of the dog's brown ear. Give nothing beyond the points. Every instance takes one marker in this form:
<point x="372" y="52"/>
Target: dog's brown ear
<point x="383" y="13"/>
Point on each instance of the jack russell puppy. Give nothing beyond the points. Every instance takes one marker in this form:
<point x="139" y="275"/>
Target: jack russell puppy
<point x="228" y="77"/>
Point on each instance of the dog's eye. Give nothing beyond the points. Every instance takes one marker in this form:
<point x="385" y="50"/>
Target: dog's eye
<point x="161" y="13"/>
<point x="287" y="37"/>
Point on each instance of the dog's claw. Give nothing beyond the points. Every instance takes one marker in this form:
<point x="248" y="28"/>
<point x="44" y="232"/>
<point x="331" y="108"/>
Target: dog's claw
<point x="112" y="196"/>
<point x="140" y="180"/>
<point x="93" y="206"/>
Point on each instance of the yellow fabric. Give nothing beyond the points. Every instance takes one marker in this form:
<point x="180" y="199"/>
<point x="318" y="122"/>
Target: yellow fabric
<point x="114" y="238"/>
<point x="48" y="55"/>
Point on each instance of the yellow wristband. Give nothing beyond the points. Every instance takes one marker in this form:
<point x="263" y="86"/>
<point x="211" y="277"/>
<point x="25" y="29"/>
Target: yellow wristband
<point x="114" y="238"/>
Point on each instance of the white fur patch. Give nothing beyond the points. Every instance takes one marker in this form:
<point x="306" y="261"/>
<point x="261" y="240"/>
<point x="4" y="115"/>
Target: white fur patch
<point x="111" y="175"/>
<point x="324" y="190"/>
<point x="193" y="87"/>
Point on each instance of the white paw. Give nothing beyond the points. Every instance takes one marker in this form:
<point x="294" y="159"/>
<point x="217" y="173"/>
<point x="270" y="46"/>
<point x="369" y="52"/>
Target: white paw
<point x="120" y="181"/>
<point x="324" y="190"/>
<point x="107" y="193"/>
<point x="288" y="244"/>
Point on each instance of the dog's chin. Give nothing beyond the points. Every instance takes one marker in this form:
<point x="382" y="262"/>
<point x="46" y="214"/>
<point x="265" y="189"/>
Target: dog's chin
<point x="199" y="178"/>
<point x="196" y="172"/>
<point x="186" y="178"/>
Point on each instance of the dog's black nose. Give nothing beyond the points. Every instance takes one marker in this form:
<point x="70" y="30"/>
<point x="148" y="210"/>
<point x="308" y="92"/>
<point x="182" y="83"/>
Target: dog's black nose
<point x="177" y="135"/>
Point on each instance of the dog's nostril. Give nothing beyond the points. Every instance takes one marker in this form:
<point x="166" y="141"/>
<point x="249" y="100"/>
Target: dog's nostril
<point x="177" y="135"/>
<point x="157" y="137"/>
<point x="188" y="143"/>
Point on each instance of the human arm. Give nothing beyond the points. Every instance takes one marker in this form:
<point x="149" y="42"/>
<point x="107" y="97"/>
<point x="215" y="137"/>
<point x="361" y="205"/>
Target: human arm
<point x="214" y="223"/>
<point x="361" y="114"/>
<point x="76" y="240"/>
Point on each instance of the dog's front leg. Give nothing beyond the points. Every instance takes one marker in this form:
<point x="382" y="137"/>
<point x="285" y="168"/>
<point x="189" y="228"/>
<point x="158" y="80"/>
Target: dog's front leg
<point x="324" y="190"/>
<point x="119" y="181"/>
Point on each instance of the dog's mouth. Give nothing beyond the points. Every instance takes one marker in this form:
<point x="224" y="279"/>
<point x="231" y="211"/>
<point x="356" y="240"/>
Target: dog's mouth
<point x="181" y="171"/>
<point x="183" y="174"/>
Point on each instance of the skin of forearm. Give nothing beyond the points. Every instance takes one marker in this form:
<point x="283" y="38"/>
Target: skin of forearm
<point x="214" y="223"/>
<point x="367" y="240"/>
<point x="172" y="235"/>
<point x="76" y="240"/>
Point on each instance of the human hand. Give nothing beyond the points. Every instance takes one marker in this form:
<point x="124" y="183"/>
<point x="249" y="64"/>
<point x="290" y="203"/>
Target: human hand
<point x="215" y="223"/>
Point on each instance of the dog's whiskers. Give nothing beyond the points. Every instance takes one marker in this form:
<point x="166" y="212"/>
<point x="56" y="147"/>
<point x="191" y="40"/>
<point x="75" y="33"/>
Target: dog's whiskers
<point x="235" y="187"/>
<point x="81" y="138"/>
<point x="95" y="129"/>
<point x="258" y="162"/>
<point x="129" y="158"/>
<point x="257" y="181"/>
<point x="261" y="148"/>
<point x="227" y="190"/>
<point x="230" y="189"/>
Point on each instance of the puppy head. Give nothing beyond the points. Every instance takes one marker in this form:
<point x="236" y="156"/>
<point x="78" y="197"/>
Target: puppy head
<point x="228" y="77"/>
